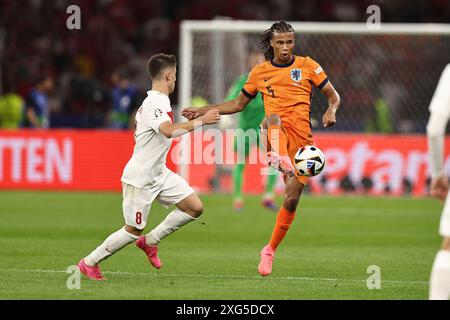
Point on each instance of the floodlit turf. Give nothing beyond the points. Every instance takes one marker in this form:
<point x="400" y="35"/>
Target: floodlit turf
<point x="325" y="255"/>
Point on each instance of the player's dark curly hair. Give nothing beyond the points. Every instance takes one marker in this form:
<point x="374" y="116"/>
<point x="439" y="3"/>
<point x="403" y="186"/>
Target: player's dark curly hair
<point x="281" y="26"/>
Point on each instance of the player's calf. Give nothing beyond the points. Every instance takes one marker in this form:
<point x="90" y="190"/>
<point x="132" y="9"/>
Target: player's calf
<point x="187" y="210"/>
<point x="290" y="203"/>
<point x="293" y="193"/>
<point x="111" y="245"/>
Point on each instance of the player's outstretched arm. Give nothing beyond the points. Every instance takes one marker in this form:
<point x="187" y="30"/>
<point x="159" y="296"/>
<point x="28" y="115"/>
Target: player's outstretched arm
<point x="171" y="130"/>
<point x="229" y="107"/>
<point x="334" y="101"/>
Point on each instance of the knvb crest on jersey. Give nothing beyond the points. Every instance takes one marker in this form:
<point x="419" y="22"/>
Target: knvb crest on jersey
<point x="296" y="75"/>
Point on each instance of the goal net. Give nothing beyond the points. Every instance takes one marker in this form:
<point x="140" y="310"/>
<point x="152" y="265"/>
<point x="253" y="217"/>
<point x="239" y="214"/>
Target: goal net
<point x="385" y="77"/>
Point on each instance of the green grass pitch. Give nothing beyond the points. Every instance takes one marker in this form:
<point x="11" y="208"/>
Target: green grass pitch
<point x="324" y="256"/>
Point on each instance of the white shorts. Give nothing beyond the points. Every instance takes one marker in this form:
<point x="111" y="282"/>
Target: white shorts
<point x="444" y="228"/>
<point x="137" y="202"/>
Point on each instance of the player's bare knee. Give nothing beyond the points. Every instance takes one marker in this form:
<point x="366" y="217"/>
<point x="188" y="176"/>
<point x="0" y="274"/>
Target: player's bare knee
<point x="192" y="205"/>
<point x="133" y="230"/>
<point x="199" y="209"/>
<point x="195" y="210"/>
<point x="274" y="120"/>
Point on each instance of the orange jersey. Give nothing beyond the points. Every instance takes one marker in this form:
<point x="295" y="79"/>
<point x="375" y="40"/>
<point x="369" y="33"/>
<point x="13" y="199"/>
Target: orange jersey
<point x="286" y="91"/>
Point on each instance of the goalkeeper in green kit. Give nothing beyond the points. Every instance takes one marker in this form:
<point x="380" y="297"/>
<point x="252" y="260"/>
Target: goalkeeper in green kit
<point x="250" y="119"/>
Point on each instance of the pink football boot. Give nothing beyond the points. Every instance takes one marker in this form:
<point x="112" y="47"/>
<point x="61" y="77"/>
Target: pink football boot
<point x="150" y="251"/>
<point x="238" y="204"/>
<point x="92" y="273"/>
<point x="270" y="204"/>
<point x="265" y="265"/>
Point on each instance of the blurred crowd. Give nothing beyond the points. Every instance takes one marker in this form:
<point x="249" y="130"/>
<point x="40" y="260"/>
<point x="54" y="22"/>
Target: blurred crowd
<point x="96" y="76"/>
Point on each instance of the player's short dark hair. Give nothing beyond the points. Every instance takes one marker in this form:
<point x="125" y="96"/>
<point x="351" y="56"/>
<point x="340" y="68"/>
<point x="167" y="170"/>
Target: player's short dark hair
<point x="280" y="27"/>
<point x="157" y="63"/>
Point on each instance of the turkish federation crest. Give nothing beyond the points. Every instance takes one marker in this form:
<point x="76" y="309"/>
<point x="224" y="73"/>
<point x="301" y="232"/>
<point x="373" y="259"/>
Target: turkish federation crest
<point x="296" y="74"/>
<point x="158" y="113"/>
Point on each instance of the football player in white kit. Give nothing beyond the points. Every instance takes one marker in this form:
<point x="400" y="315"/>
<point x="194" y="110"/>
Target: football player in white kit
<point x="146" y="177"/>
<point x="439" y="116"/>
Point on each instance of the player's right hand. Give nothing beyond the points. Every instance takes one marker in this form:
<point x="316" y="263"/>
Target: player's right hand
<point x="439" y="187"/>
<point x="190" y="113"/>
<point x="211" y="117"/>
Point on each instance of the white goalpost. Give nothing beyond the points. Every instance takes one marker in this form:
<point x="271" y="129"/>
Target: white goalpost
<point x="217" y="28"/>
<point x="396" y="64"/>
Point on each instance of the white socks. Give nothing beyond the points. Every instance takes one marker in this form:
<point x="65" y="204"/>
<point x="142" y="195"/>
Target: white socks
<point x="112" y="244"/>
<point x="440" y="277"/>
<point x="121" y="238"/>
<point x="171" y="223"/>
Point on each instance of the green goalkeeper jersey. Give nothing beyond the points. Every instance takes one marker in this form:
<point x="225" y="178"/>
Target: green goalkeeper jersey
<point x="253" y="113"/>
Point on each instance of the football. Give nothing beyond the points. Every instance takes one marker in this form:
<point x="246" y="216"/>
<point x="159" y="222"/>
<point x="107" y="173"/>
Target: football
<point x="309" y="161"/>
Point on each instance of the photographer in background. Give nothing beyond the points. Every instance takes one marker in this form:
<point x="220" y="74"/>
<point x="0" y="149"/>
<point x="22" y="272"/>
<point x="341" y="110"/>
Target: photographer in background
<point x="123" y="102"/>
<point x="37" y="111"/>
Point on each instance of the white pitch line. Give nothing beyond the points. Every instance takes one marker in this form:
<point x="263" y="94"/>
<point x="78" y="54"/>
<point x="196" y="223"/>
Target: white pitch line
<point x="220" y="276"/>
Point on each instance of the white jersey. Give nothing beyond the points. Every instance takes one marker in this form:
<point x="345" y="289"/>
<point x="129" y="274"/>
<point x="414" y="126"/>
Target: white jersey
<point x="147" y="166"/>
<point x="441" y="99"/>
<point x="439" y="116"/>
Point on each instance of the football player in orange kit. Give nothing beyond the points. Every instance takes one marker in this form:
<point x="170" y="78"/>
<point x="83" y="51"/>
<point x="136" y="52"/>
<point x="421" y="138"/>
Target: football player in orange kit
<point x="285" y="82"/>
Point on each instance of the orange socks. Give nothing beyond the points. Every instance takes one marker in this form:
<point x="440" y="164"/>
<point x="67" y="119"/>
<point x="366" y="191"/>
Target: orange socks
<point x="278" y="140"/>
<point x="284" y="221"/>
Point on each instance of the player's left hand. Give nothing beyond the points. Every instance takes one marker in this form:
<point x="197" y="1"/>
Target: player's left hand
<point x="439" y="187"/>
<point x="329" y="118"/>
